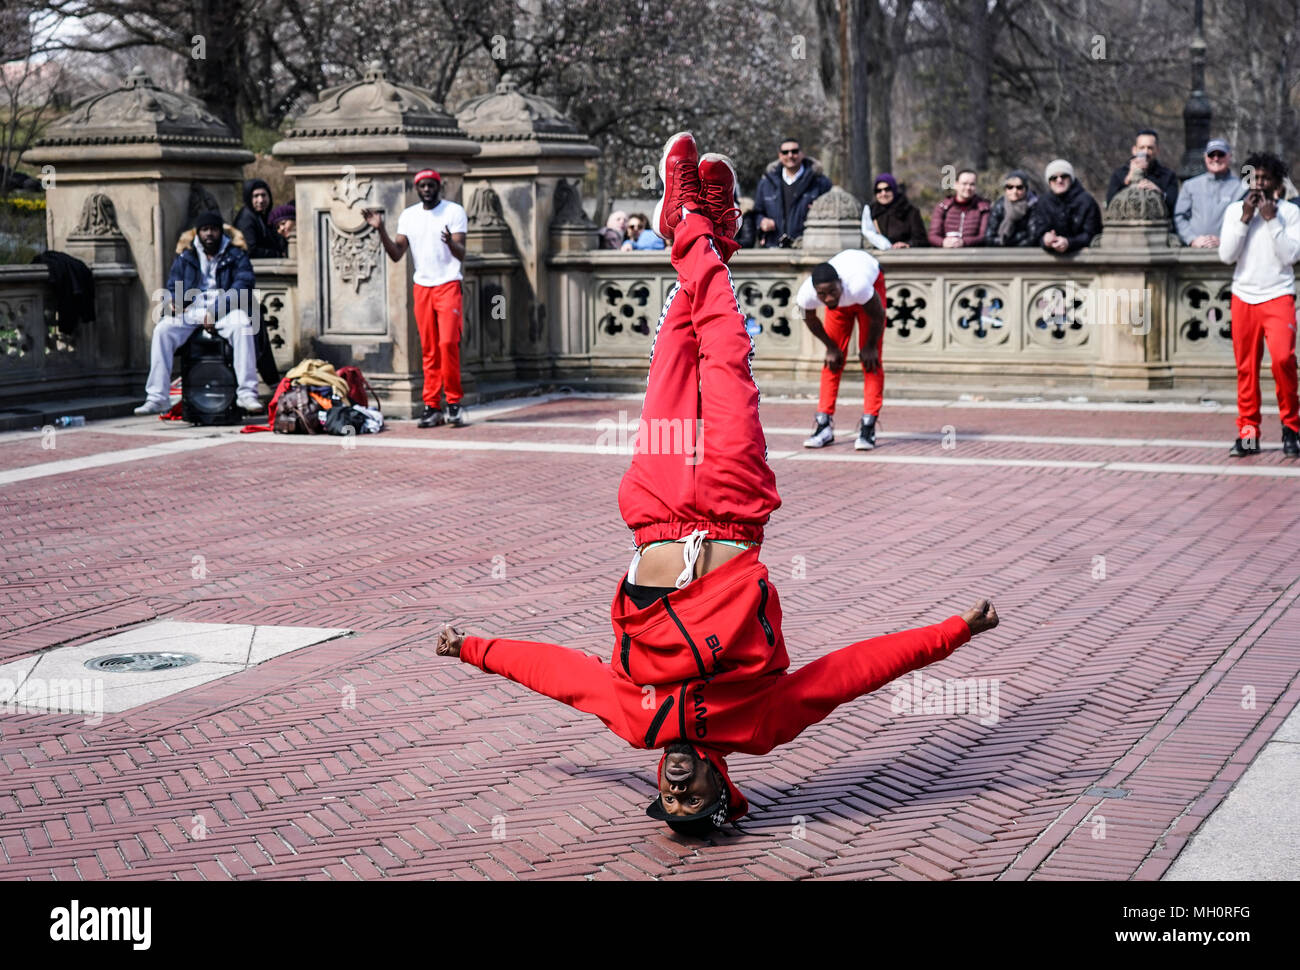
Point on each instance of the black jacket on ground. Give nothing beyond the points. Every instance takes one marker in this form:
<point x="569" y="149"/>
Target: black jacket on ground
<point x="1157" y="173"/>
<point x="1023" y="232"/>
<point x="1073" y="214"/>
<point x="769" y="200"/>
<point x="263" y="241"/>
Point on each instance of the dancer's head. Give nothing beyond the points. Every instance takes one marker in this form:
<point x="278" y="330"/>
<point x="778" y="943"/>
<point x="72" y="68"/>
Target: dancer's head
<point x="826" y="281"/>
<point x="1266" y="172"/>
<point x="428" y="186"/>
<point x="694" y="796"/>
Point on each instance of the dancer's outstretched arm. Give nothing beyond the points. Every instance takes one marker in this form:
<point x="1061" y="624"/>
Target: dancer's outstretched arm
<point x="567" y="675"/>
<point x="809" y="694"/>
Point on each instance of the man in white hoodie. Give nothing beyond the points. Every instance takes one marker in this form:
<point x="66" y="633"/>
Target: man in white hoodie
<point x="1261" y="234"/>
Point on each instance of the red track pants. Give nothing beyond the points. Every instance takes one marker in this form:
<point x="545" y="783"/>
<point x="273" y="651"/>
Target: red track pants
<point x="700" y="460"/>
<point x="839" y="326"/>
<point x="439" y="320"/>
<point x="1253" y="325"/>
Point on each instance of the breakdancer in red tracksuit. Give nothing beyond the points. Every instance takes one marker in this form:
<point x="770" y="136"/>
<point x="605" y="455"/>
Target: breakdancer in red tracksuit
<point x="699" y="665"/>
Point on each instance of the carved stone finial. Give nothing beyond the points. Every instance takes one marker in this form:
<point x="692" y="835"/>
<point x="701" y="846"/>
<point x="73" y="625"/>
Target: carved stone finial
<point x="835" y="206"/>
<point x="98" y="217"/>
<point x="484" y="210"/>
<point x="1135" y="204"/>
<point x="568" y="207"/>
<point x="201" y="200"/>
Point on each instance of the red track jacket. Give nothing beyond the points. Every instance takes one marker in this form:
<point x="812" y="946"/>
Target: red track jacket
<point x="708" y="665"/>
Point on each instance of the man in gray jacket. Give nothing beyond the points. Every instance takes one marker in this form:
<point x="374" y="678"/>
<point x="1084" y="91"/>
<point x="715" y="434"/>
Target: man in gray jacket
<point x="1203" y="200"/>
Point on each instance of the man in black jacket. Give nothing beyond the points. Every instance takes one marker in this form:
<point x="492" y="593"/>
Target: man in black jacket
<point x="785" y="192"/>
<point x="1067" y="218"/>
<point x="1144" y="170"/>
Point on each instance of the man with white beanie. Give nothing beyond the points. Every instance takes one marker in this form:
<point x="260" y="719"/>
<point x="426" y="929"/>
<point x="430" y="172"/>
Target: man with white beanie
<point x="1066" y="218"/>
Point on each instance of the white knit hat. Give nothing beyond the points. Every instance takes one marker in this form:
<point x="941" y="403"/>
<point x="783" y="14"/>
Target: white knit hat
<point x="1059" y="167"/>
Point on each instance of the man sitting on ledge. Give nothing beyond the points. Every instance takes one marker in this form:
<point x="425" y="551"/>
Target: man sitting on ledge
<point x="213" y="278"/>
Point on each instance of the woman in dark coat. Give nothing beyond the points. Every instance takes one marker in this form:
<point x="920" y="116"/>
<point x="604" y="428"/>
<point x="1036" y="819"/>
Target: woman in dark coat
<point x="891" y="215"/>
<point x="1067" y="218"/>
<point x="1011" y="220"/>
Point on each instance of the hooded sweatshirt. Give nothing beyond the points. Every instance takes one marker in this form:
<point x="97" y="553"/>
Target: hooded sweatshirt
<point x="707" y="665"/>
<point x="263" y="241"/>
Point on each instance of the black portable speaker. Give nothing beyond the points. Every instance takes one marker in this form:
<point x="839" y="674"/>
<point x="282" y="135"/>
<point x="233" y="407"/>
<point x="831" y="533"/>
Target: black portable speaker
<point x="208" y="382"/>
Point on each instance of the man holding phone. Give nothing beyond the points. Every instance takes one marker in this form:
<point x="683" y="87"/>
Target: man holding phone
<point x="1145" y="171"/>
<point x="1261" y="234"/>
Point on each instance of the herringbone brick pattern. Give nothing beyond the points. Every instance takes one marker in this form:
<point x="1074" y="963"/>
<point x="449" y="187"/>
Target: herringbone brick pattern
<point x="1147" y="650"/>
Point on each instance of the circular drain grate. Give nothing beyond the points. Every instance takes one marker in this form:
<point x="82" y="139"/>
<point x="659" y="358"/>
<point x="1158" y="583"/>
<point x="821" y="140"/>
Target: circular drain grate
<point x="132" y="663"/>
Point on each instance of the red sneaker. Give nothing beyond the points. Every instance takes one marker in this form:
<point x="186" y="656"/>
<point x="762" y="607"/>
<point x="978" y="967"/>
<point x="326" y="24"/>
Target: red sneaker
<point x="681" y="178"/>
<point x="718" y="194"/>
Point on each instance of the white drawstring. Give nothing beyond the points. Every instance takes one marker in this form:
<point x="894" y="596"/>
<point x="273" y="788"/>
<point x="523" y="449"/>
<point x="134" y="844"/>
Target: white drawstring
<point x="691" y="548"/>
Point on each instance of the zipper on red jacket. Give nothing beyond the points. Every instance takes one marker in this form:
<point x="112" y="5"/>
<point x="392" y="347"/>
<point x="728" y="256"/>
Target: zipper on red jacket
<point x="626" y="654"/>
<point x="762" y="614"/>
<point x="699" y="661"/>
<point x="658" y="721"/>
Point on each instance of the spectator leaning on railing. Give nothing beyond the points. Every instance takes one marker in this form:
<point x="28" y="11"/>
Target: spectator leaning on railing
<point x="1012" y="216"/>
<point x="889" y="220"/>
<point x="1067" y="218"/>
<point x="785" y="191"/>
<point x="1144" y="170"/>
<point x="962" y="218"/>
<point x="1203" y="199"/>
<point x="640" y="235"/>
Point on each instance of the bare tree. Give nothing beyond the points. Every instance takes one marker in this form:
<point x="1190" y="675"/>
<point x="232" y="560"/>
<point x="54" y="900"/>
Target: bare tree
<point x="28" y="81"/>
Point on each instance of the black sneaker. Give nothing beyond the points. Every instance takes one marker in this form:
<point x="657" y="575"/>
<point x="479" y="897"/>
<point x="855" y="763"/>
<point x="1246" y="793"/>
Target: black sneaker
<point x="866" y="433"/>
<point x="455" y="415"/>
<point x="1243" y="447"/>
<point x="822" y="434"/>
<point x="431" y="418"/>
<point x="1290" y="442"/>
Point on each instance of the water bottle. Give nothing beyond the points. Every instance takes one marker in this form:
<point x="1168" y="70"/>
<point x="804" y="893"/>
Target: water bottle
<point x="70" y="421"/>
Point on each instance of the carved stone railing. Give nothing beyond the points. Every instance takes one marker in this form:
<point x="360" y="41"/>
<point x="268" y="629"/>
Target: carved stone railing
<point x="974" y="319"/>
<point x="44" y="359"/>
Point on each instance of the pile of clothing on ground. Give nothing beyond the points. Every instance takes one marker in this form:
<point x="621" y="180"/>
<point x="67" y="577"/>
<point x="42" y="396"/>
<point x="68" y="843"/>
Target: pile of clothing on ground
<point x="314" y="399"/>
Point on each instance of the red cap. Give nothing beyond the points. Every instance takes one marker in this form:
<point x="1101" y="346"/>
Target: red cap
<point x="427" y="173"/>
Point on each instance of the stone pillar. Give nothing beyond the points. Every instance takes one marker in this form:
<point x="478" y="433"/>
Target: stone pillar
<point x="1127" y="305"/>
<point x="132" y="167"/>
<point x="358" y="146"/>
<point x="532" y="159"/>
<point x="834" y="223"/>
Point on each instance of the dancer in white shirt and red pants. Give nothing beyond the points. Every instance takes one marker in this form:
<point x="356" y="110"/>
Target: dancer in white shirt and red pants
<point x="852" y="288"/>
<point x="1261" y="234"/>
<point x="433" y="231"/>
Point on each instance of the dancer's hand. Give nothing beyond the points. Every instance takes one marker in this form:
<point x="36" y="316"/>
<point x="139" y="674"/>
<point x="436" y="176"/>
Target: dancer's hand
<point x="980" y="617"/>
<point x="450" y="641"/>
<point x="870" y="359"/>
<point x="834" y="359"/>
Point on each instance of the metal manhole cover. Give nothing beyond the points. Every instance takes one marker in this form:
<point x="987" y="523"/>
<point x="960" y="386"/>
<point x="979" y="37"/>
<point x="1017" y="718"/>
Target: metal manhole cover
<point x="131" y="663"/>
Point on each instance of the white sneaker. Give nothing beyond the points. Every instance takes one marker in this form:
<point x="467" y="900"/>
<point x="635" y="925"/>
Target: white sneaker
<point x="153" y="407"/>
<point x="249" y="402"/>
<point x="866" y="433"/>
<point x="823" y="434"/>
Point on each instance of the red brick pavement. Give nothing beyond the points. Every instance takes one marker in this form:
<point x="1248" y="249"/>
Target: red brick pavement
<point x="1136" y="682"/>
